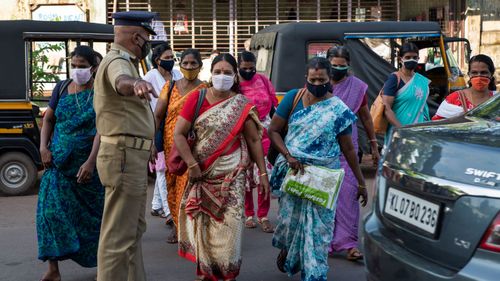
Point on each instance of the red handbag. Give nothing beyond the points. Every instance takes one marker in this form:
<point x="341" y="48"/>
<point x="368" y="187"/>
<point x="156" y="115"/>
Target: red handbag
<point x="175" y="164"/>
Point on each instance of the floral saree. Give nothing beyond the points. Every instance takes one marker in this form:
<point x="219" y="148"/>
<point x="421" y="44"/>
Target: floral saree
<point x="410" y="103"/>
<point x="211" y="212"/>
<point x="175" y="184"/>
<point x="68" y="217"/>
<point x="305" y="229"/>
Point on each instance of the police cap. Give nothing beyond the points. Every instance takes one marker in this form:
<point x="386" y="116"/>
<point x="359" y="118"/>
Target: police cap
<point x="135" y="18"/>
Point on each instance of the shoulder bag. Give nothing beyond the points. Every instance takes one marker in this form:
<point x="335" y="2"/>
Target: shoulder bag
<point x="175" y="163"/>
<point x="377" y="111"/>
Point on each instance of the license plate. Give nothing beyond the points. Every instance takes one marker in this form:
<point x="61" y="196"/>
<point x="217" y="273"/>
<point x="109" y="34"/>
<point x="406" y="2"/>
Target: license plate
<point x="413" y="210"/>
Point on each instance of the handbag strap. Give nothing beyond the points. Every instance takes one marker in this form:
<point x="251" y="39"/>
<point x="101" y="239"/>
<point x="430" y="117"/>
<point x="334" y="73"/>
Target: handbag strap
<point x="463" y="100"/>
<point x="398" y="77"/>
<point x="201" y="98"/>
<point x="296" y="99"/>
<point x="169" y="94"/>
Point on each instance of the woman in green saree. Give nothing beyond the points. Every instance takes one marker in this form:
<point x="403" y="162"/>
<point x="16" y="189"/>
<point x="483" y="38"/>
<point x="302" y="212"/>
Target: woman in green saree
<point x="406" y="92"/>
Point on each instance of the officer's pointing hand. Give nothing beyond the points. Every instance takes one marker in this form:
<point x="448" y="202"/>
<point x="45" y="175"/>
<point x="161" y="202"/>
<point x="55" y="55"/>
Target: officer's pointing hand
<point x="144" y="89"/>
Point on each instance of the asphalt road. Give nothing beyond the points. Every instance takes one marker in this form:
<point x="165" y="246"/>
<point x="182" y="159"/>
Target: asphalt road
<point x="18" y="249"/>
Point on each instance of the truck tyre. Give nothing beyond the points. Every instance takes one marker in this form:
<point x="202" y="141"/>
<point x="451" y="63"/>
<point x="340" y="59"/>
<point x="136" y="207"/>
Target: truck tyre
<point x="18" y="173"/>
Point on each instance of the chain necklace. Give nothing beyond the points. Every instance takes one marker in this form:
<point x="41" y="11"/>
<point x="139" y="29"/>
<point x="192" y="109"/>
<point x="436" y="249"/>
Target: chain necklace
<point x="186" y="90"/>
<point x="76" y="97"/>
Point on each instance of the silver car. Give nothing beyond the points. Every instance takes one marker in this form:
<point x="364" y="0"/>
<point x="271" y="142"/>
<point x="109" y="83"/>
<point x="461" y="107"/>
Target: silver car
<point x="436" y="211"/>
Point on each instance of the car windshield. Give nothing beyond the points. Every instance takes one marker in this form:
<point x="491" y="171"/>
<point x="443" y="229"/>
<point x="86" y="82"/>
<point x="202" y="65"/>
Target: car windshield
<point x="489" y="110"/>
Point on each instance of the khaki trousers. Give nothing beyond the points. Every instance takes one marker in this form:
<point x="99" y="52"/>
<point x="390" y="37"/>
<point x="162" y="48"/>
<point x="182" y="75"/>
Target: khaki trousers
<point x="123" y="172"/>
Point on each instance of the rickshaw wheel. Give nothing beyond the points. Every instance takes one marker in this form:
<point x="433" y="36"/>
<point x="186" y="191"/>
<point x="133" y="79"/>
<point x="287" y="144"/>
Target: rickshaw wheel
<point x="17" y="173"/>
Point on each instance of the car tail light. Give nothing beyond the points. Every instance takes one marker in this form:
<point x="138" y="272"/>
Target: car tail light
<point x="491" y="239"/>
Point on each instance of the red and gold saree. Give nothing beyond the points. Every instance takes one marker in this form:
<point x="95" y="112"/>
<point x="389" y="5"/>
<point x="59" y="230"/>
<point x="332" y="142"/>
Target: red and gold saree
<point x="211" y="214"/>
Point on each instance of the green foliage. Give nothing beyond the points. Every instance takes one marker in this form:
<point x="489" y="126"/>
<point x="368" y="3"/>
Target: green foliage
<point x="39" y="66"/>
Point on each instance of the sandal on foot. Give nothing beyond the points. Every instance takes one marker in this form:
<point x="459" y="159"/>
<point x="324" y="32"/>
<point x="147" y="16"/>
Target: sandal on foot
<point x="354" y="254"/>
<point x="169" y="220"/>
<point x="266" y="225"/>
<point x="172" y="237"/>
<point x="250" y="223"/>
<point x="157" y="212"/>
<point x="281" y="259"/>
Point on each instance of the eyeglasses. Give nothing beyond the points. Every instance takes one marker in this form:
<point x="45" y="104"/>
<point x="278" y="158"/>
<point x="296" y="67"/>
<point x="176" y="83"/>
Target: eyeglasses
<point x="146" y="40"/>
<point x="479" y="73"/>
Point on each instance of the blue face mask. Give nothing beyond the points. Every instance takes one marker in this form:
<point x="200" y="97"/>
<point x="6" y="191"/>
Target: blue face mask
<point x="167" y="64"/>
<point x="319" y="91"/>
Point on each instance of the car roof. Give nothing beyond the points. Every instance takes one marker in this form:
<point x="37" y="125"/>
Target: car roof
<point x="13" y="74"/>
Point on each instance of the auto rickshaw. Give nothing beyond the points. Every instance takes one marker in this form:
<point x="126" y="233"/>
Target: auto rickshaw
<point x="283" y="51"/>
<point x="35" y="57"/>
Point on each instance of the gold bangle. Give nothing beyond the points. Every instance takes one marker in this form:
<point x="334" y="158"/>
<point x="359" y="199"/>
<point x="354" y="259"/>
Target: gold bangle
<point x="193" y="165"/>
<point x="287" y="153"/>
<point x="137" y="81"/>
<point x="361" y="186"/>
<point x="263" y="174"/>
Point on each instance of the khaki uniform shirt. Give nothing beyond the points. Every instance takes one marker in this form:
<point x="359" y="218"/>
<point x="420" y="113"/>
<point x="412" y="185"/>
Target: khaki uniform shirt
<point x="117" y="114"/>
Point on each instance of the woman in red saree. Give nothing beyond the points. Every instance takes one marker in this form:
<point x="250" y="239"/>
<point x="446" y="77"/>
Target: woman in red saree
<point x="228" y="139"/>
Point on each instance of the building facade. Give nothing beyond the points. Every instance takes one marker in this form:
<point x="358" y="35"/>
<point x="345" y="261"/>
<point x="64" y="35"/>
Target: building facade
<point x="227" y="24"/>
<point x="83" y="10"/>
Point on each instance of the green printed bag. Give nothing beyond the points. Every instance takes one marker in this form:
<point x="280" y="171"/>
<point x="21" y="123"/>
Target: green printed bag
<point x="319" y="185"/>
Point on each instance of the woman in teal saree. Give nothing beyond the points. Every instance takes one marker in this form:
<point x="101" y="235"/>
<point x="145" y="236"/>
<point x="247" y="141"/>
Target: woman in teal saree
<point x="71" y="197"/>
<point x="406" y="92"/>
<point x="319" y="130"/>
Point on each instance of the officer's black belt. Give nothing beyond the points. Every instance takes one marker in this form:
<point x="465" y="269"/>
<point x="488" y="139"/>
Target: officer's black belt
<point x="129" y="141"/>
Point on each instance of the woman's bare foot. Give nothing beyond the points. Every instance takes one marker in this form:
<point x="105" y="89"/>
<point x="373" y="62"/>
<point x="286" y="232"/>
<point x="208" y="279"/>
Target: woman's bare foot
<point x="354" y="254"/>
<point x="52" y="273"/>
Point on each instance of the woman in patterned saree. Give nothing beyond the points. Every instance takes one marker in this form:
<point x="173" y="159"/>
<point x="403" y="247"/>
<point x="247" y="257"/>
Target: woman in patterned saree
<point x="319" y="130"/>
<point x="190" y="67"/>
<point x="406" y="92"/>
<point x="352" y="91"/>
<point x="71" y="197"/>
<point x="227" y="132"/>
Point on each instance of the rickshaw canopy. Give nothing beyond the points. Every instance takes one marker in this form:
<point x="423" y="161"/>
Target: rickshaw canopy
<point x="289" y="41"/>
<point x="14" y="84"/>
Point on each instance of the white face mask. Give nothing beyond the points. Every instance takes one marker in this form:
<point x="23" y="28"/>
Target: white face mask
<point x="81" y="75"/>
<point x="223" y="82"/>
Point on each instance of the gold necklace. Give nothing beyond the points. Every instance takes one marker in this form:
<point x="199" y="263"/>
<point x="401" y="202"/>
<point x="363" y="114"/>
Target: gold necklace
<point x="76" y="97"/>
<point x="186" y="91"/>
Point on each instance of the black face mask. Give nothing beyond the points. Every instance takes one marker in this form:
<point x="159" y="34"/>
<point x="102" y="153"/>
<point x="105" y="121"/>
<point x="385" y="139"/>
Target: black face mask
<point x="410" y="64"/>
<point x="145" y="48"/>
<point x="319" y="91"/>
<point x="247" y="75"/>
<point x="167" y="64"/>
<point x="338" y="73"/>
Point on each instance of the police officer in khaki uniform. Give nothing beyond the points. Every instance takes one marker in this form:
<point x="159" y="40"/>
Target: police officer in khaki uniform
<point x="126" y="125"/>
